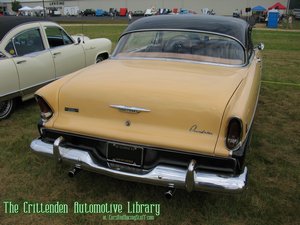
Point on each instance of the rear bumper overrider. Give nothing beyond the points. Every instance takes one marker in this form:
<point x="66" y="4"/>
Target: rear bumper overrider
<point x="162" y="175"/>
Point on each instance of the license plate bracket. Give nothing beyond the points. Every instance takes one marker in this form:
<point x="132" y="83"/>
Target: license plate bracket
<point x="126" y="154"/>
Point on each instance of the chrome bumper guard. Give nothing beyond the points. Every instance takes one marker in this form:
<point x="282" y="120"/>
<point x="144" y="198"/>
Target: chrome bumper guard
<point x="162" y="175"/>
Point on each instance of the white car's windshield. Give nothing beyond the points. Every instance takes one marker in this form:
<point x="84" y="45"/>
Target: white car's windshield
<point x="181" y="45"/>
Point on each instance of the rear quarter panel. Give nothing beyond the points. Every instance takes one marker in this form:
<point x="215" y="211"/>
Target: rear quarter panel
<point x="50" y="94"/>
<point x="242" y="104"/>
<point x="95" y="47"/>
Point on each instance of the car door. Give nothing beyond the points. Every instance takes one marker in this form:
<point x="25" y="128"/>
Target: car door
<point x="68" y="56"/>
<point x="34" y="63"/>
<point x="9" y="81"/>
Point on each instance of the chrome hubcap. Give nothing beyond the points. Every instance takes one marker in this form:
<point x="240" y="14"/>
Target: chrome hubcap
<point x="5" y="108"/>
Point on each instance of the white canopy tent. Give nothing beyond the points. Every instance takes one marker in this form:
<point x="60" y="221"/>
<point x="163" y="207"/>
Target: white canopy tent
<point x="25" y="8"/>
<point x="38" y="8"/>
<point x="28" y="11"/>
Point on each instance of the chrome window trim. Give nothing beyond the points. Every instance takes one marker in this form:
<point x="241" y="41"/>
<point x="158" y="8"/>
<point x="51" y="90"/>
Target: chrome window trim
<point x="61" y="29"/>
<point x="2" y="56"/>
<point x="185" y="30"/>
<point x="177" y="60"/>
<point x="13" y="40"/>
<point x="22" y="24"/>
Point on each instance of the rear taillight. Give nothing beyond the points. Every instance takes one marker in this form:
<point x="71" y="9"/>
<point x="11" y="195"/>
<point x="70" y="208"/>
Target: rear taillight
<point x="234" y="134"/>
<point x="46" y="111"/>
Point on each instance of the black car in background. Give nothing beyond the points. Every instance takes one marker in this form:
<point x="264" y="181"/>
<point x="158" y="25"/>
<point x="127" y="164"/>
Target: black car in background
<point x="89" y="12"/>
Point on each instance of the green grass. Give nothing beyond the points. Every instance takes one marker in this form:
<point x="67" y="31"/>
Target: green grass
<point x="281" y="55"/>
<point x="272" y="196"/>
<point x="111" y="32"/>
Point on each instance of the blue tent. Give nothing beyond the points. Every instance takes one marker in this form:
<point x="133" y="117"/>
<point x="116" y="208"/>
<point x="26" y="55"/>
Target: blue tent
<point x="258" y="8"/>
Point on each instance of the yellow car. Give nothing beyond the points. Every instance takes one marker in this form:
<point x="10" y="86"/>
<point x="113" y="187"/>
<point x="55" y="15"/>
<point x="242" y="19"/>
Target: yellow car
<point x="173" y="106"/>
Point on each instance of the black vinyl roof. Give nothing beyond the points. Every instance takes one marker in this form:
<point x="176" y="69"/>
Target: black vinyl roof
<point x="234" y="27"/>
<point x="7" y="23"/>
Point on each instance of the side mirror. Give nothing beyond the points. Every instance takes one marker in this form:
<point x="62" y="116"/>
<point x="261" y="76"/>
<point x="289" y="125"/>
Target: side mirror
<point x="260" y="46"/>
<point x="78" y="40"/>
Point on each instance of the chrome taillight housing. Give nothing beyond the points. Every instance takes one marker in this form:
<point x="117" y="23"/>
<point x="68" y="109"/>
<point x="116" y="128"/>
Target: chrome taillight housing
<point x="46" y="111"/>
<point x="234" y="134"/>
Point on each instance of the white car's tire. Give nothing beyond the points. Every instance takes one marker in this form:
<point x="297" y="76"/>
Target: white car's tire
<point x="6" y="108"/>
<point x="100" y="58"/>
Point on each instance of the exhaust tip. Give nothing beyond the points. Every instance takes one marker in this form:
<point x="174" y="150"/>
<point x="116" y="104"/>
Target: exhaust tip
<point x="73" y="172"/>
<point x="170" y="193"/>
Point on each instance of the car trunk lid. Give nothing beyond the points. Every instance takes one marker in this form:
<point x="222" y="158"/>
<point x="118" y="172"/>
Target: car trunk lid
<point x="166" y="104"/>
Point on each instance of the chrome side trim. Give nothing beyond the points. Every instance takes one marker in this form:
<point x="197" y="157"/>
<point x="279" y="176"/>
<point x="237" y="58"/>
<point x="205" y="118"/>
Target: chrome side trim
<point x="35" y="87"/>
<point x="179" y="60"/>
<point x="254" y="112"/>
<point x="24" y="91"/>
<point x="162" y="175"/>
<point x="10" y="95"/>
<point x="129" y="109"/>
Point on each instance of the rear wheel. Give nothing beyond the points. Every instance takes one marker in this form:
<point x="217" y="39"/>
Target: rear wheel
<point x="100" y="58"/>
<point x="6" y="108"/>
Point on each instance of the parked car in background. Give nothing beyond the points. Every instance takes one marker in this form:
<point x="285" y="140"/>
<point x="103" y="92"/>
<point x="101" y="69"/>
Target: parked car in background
<point x="101" y="12"/>
<point x="150" y="12"/>
<point x="89" y="12"/>
<point x="138" y="13"/>
<point x="34" y="52"/>
<point x="186" y="11"/>
<point x="71" y="11"/>
<point x="163" y="11"/>
<point x="7" y="13"/>
<point x="54" y="12"/>
<point x="173" y="106"/>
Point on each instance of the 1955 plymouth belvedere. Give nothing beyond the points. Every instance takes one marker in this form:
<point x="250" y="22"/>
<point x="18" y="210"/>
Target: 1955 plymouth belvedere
<point x="34" y="52"/>
<point x="173" y="106"/>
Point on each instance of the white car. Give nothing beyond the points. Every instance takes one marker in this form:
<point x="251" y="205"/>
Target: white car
<point x="150" y="12"/>
<point x="35" y="52"/>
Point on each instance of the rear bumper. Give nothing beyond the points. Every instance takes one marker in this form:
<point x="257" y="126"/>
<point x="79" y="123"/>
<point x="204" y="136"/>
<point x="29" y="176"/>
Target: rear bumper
<point x="162" y="175"/>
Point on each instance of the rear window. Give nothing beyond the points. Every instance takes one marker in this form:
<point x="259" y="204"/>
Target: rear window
<point x="181" y="45"/>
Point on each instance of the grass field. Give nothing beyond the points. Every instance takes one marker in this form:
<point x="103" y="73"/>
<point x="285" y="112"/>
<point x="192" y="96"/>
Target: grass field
<point x="273" y="194"/>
